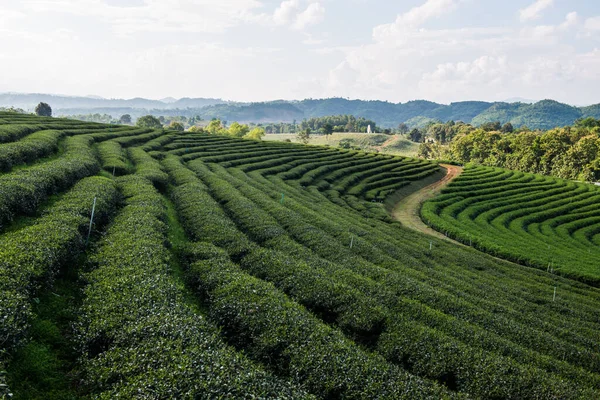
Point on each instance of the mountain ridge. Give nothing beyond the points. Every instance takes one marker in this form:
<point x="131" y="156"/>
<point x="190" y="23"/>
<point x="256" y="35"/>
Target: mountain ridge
<point x="544" y="114"/>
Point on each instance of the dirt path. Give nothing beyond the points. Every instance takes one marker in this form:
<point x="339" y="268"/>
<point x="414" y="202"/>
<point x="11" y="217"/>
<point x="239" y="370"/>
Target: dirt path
<point x="386" y="143"/>
<point x="407" y="210"/>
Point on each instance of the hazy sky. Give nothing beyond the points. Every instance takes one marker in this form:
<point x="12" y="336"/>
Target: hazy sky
<point x="253" y="50"/>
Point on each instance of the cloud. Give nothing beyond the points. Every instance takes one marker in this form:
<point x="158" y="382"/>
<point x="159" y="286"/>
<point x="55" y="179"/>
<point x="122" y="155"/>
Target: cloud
<point x="547" y="32"/>
<point x="592" y="24"/>
<point x="405" y="60"/>
<point x="415" y="17"/>
<point x="297" y="15"/>
<point x="156" y="15"/>
<point x="534" y="10"/>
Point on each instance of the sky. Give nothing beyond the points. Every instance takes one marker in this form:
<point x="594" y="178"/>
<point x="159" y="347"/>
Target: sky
<point x="259" y="50"/>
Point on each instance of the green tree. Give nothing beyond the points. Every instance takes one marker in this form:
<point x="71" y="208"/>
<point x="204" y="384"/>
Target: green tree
<point x="148" y="121"/>
<point x="507" y="128"/>
<point x="255" y="134"/>
<point x="215" y="127"/>
<point x="196" y="129"/>
<point x="238" y="130"/>
<point x="43" y="110"/>
<point x="304" y="135"/>
<point x="491" y="126"/>
<point x="416" y="135"/>
<point x="402" y="128"/>
<point x="176" y="126"/>
<point x="327" y="129"/>
<point x="125" y="119"/>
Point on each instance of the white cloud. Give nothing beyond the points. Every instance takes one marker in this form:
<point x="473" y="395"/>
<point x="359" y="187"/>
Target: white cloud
<point x="592" y="24"/>
<point x="415" y="17"/>
<point x="534" y="11"/>
<point x="298" y="15"/>
<point x="548" y="33"/>
<point x="156" y="15"/>
<point x="406" y="61"/>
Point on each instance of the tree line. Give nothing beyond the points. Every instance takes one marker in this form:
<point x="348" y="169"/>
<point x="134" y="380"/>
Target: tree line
<point x="571" y="152"/>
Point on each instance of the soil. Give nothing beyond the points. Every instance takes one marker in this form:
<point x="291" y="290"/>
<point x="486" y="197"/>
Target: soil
<point x="407" y="210"/>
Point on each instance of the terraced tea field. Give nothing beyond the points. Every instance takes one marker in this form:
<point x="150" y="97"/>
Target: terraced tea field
<point x="545" y="222"/>
<point x="227" y="268"/>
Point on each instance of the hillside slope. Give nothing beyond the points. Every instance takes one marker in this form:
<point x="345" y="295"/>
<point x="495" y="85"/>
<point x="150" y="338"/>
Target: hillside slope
<point x="251" y="269"/>
<point x="545" y="114"/>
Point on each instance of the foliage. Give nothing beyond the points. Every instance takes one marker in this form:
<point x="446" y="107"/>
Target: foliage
<point x="125" y="119"/>
<point x="148" y="121"/>
<point x="571" y="152"/>
<point x="338" y="123"/>
<point x="159" y="348"/>
<point x="43" y="110"/>
<point x="543" y="222"/>
<point x="304" y="136"/>
<point x="31" y="257"/>
<point x="37" y="145"/>
<point x="176" y="126"/>
<point x="295" y="278"/>
<point x="113" y="158"/>
<point x="255" y="134"/>
<point x="238" y="130"/>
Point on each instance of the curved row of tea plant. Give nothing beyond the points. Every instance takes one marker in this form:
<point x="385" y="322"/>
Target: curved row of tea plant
<point x="362" y="324"/>
<point x="544" y="222"/>
<point x="279" y="331"/>
<point x="138" y="336"/>
<point x="314" y="284"/>
<point x="30" y="257"/>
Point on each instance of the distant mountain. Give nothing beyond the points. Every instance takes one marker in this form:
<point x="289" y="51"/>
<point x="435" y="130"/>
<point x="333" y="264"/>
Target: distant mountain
<point x="28" y="101"/>
<point x="543" y="114"/>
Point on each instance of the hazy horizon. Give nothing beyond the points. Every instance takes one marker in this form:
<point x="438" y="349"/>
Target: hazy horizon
<point x="251" y="51"/>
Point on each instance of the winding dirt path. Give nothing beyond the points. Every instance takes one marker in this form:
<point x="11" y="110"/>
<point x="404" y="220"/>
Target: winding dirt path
<point x="386" y="143"/>
<point x="407" y="209"/>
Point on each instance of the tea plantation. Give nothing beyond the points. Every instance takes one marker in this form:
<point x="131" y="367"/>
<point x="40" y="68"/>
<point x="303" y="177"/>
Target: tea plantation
<point x="548" y="223"/>
<point x="224" y="268"/>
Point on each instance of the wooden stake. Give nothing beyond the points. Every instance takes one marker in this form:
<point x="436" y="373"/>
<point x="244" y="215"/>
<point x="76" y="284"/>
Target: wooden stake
<point x="91" y="222"/>
<point x="352" y="241"/>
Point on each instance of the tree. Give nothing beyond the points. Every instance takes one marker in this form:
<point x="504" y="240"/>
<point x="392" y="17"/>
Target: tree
<point x="327" y="129"/>
<point x="125" y="119"/>
<point x="238" y="130"/>
<point x="148" y="121"/>
<point x="416" y="135"/>
<point x="43" y="110"/>
<point x="507" y="128"/>
<point x="196" y="129"/>
<point x="255" y="134"/>
<point x="176" y="126"/>
<point x="403" y="128"/>
<point x="491" y="126"/>
<point x="304" y="135"/>
<point x="216" y="128"/>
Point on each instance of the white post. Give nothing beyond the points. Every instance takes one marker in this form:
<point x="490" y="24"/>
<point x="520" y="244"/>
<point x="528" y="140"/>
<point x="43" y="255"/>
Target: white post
<point x="351" y="241"/>
<point x="91" y="222"/>
<point x="430" y="246"/>
<point x="554" y="297"/>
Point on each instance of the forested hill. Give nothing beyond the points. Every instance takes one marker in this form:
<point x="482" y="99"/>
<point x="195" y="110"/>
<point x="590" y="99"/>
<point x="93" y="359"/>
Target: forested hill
<point x="545" y="114"/>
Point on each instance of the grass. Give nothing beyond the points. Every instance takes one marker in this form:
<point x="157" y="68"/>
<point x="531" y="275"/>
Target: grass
<point x="365" y="141"/>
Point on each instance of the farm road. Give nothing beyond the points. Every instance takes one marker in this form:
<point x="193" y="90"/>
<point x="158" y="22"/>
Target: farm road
<point x="407" y="209"/>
